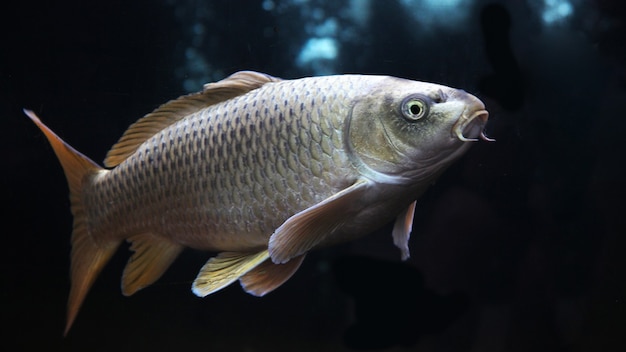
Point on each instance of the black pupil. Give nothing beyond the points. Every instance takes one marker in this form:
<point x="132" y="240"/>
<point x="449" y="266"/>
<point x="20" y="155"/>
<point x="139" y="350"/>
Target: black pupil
<point x="415" y="109"/>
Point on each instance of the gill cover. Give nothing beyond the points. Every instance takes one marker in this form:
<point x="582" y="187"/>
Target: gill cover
<point x="382" y="132"/>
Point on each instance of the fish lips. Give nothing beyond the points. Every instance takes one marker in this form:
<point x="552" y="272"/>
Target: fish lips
<point x="471" y="125"/>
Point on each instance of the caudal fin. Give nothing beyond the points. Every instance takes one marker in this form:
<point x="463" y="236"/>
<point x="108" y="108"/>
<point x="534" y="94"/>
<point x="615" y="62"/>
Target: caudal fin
<point x="88" y="256"/>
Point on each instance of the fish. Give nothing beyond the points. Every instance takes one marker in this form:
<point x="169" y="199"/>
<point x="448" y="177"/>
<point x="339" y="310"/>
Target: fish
<point x="260" y="170"/>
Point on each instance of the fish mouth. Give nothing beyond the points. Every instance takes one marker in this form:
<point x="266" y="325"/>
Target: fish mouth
<point x="467" y="128"/>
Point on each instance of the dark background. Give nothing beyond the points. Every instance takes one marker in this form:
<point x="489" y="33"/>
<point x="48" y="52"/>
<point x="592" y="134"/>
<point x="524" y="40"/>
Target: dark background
<point x="518" y="247"/>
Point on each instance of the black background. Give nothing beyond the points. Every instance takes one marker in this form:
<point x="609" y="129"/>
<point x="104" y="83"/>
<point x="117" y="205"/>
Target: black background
<point x="519" y="246"/>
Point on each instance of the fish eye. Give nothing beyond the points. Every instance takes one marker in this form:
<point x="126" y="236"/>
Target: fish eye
<point x="414" y="107"/>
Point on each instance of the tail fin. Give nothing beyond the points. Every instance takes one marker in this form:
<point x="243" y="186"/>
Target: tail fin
<point x="88" y="255"/>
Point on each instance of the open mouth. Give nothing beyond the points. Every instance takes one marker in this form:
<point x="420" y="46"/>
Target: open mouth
<point x="468" y="129"/>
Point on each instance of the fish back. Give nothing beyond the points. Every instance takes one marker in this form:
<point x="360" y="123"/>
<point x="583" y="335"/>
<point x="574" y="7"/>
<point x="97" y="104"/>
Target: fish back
<point x="226" y="176"/>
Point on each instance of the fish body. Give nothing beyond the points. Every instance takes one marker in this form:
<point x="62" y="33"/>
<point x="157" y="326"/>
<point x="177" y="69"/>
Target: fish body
<point x="262" y="170"/>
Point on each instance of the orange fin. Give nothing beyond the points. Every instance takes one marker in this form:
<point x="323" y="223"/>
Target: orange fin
<point x="75" y="164"/>
<point x="304" y="230"/>
<point x="268" y="276"/>
<point x="153" y="255"/>
<point x="88" y="259"/>
<point x="402" y="230"/>
<point x="225" y="269"/>
<point x="238" y="83"/>
<point x="88" y="256"/>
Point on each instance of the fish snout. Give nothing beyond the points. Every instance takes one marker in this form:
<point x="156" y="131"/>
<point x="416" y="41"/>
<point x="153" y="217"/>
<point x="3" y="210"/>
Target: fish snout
<point x="472" y="121"/>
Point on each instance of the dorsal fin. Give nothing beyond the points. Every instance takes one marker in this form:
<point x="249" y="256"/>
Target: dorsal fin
<point x="238" y="83"/>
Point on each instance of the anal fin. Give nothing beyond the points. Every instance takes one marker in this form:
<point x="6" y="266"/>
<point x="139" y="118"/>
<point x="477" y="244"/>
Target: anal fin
<point x="153" y="255"/>
<point x="224" y="269"/>
<point x="268" y="276"/>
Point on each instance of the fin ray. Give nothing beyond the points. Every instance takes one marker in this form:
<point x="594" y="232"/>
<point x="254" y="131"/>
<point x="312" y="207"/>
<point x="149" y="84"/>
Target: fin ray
<point x="402" y="230"/>
<point x="225" y="269"/>
<point x="88" y="260"/>
<point x="304" y="230"/>
<point x="167" y="114"/>
<point x="268" y="276"/>
<point x="89" y="255"/>
<point x="153" y="255"/>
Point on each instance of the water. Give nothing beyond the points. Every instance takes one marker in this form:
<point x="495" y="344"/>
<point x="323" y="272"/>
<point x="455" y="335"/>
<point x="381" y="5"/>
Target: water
<point x="518" y="247"/>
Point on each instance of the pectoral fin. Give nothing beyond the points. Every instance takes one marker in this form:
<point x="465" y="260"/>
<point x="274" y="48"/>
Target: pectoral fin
<point x="301" y="232"/>
<point x="153" y="255"/>
<point x="268" y="276"/>
<point x="402" y="230"/>
<point x="224" y="269"/>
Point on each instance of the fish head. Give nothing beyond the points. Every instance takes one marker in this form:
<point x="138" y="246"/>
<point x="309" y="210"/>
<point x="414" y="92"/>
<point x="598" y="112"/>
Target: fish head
<point x="402" y="129"/>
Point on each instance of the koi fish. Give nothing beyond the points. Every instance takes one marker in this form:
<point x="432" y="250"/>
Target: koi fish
<point x="261" y="170"/>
